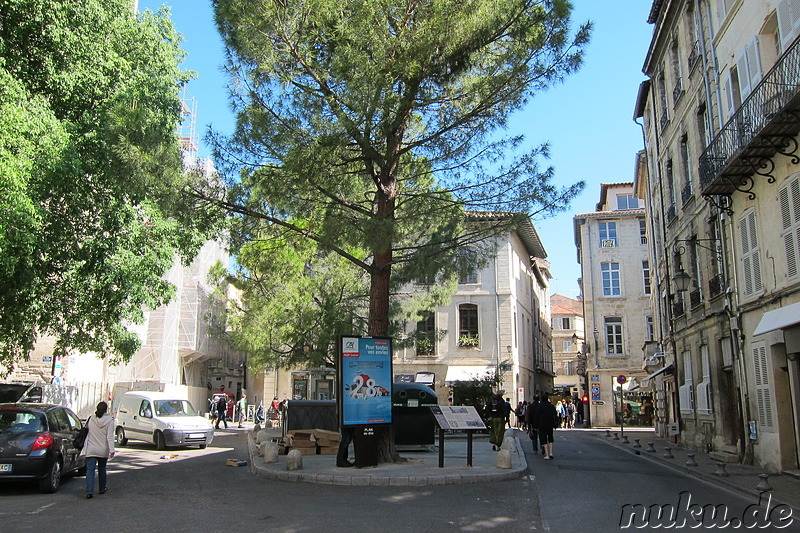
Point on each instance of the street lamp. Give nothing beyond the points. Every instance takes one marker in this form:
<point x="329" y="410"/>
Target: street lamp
<point x="681" y="279"/>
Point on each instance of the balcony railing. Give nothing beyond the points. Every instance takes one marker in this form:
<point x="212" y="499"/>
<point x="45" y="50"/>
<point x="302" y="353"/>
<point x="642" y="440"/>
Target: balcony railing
<point x="695" y="298"/>
<point x="671" y="213"/>
<point x="764" y="124"/>
<point x="677" y="308"/>
<point x="664" y="119"/>
<point x="694" y="54"/>
<point x="716" y="286"/>
<point x="687" y="194"/>
<point x="677" y="91"/>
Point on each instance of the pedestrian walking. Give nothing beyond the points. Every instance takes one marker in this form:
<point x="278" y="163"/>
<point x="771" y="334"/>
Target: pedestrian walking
<point x="497" y="411"/>
<point x="222" y="408"/>
<point x="508" y="412"/>
<point x="242" y="407"/>
<point x="533" y="426"/>
<point x="548" y="421"/>
<point x="98" y="449"/>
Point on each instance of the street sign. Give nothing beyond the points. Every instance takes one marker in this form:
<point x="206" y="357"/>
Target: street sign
<point x="621" y="379"/>
<point x="598" y="402"/>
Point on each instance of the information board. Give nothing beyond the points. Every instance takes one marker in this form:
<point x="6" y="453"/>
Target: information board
<point x="365" y="380"/>
<point x="457" y="417"/>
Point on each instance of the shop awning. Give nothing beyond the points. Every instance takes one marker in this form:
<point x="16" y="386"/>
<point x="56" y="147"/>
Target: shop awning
<point x="467" y="373"/>
<point x="780" y="318"/>
<point x="657" y="372"/>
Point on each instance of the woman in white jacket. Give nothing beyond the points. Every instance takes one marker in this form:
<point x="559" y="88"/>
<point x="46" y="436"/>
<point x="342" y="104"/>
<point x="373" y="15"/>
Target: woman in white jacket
<point x="99" y="448"/>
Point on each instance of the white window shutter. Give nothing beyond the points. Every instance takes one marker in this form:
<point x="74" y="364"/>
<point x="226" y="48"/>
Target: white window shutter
<point x="744" y="75"/>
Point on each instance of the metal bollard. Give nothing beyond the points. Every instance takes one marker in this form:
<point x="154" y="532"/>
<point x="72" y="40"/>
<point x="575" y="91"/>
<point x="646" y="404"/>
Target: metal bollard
<point x="636" y="443"/>
<point x="616" y="436"/>
<point x="625" y="439"/>
<point x="721" y="470"/>
<point x="763" y="485"/>
<point x="608" y="433"/>
<point x="690" y="461"/>
<point x="650" y="447"/>
<point x="668" y="455"/>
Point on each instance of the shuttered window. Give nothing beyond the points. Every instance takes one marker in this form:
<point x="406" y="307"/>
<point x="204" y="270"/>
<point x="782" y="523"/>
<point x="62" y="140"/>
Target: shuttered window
<point x="789" y="199"/>
<point x="748" y="67"/>
<point x="751" y="260"/>
<point x="788" y="21"/>
<point x="763" y="397"/>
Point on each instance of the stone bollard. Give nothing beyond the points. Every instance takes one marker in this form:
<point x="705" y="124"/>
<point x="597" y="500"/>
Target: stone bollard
<point x="763" y="485"/>
<point x="616" y="436"/>
<point x="262" y="436"/>
<point x="510" y="444"/>
<point x="721" y="470"/>
<point x="256" y="428"/>
<point x="270" y="452"/>
<point x="650" y="447"/>
<point x="608" y="433"/>
<point x="636" y="444"/>
<point x="690" y="461"/>
<point x="294" y="460"/>
<point x="668" y="453"/>
<point x="625" y="439"/>
<point x="504" y="459"/>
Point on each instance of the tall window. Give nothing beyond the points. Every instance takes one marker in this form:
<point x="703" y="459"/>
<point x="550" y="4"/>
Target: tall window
<point x="686" y="391"/>
<point x="686" y="194"/>
<point x="613" y="335"/>
<point x="649" y="329"/>
<point x="566" y="346"/>
<point x="469" y="271"/>
<point x="705" y="404"/>
<point x="646" y="276"/>
<point x="789" y="198"/>
<point x="468" y="324"/>
<point x="610" y="276"/>
<point x="565" y="323"/>
<point x="608" y="234"/>
<point x="643" y="232"/>
<point x="748" y="67"/>
<point x="426" y="335"/>
<point x="751" y="258"/>
<point x="627" y="201"/>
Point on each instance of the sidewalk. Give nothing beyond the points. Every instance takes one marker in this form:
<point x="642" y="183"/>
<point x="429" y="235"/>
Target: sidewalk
<point x="422" y="468"/>
<point x="743" y="479"/>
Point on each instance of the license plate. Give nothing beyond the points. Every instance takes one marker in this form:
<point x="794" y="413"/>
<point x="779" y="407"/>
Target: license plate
<point x="5" y="468"/>
<point x="196" y="435"/>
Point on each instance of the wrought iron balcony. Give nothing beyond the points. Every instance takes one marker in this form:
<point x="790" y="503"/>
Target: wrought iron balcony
<point x="687" y="194"/>
<point x="765" y="124"/>
<point x="671" y="213"/>
<point x="677" y="91"/>
<point x="695" y="298"/>
<point x="694" y="54"/>
<point x="716" y="286"/>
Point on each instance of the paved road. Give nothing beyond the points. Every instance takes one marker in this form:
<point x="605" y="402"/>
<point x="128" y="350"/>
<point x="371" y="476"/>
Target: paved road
<point x="582" y="490"/>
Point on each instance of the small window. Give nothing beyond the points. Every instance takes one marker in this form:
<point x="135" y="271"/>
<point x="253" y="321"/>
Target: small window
<point x="646" y="276"/>
<point x="613" y="335"/>
<point x="469" y="271"/>
<point x="642" y="232"/>
<point x="608" y="234"/>
<point x="627" y="201"/>
<point x="565" y="323"/>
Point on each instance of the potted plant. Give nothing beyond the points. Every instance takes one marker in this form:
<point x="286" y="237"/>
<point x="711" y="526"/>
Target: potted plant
<point x="468" y="341"/>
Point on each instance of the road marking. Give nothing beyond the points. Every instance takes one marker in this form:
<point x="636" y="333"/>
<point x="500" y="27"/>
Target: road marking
<point x="37" y="511"/>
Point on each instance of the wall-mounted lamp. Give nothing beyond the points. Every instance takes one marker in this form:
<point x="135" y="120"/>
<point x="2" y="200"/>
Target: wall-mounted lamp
<point x="681" y="279"/>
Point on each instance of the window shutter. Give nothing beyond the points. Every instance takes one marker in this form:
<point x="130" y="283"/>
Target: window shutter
<point x="744" y="75"/>
<point x="729" y="95"/>
<point x="757" y="283"/>
<point x="763" y="398"/>
<point x="788" y="21"/>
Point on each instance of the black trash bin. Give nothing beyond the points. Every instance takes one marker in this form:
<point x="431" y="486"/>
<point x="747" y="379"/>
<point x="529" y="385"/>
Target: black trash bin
<point x="411" y="415"/>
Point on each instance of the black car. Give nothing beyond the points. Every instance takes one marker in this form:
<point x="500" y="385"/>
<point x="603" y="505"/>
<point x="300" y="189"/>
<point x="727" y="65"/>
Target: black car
<point x="36" y="443"/>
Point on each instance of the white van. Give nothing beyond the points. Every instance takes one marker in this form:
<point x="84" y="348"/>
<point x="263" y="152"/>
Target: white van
<point x="162" y="419"/>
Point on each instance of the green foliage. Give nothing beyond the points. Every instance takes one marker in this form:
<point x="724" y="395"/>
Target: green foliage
<point x="91" y="203"/>
<point x="477" y="391"/>
<point x="375" y="122"/>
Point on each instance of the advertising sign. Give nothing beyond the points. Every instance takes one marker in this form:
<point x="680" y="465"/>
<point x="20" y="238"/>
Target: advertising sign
<point x="366" y="380"/>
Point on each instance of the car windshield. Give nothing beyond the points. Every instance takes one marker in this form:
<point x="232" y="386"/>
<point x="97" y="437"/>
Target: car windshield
<point x="11" y="392"/>
<point x="15" y="421"/>
<point x="174" y="408"/>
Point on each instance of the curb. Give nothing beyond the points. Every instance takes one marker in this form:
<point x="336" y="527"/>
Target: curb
<point x="705" y="476"/>
<point x="380" y="479"/>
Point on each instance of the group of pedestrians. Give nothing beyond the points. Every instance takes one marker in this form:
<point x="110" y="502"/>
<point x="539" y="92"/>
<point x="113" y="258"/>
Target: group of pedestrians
<point x="541" y="419"/>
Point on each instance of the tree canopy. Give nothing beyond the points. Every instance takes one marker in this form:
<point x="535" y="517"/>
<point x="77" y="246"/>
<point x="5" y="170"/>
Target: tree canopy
<point x="375" y="123"/>
<point x="90" y="173"/>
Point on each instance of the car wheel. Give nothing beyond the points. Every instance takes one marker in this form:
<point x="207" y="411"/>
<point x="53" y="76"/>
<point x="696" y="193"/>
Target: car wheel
<point x="202" y="446"/>
<point x="52" y="480"/>
<point x="161" y="443"/>
<point x="120" y="437"/>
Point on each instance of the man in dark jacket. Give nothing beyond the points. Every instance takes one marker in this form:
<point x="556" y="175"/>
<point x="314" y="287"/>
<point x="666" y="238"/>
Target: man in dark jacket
<point x="547" y="421"/>
<point x="222" y="411"/>
<point x="530" y="421"/>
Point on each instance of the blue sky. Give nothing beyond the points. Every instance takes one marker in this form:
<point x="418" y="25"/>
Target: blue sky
<point x="588" y="120"/>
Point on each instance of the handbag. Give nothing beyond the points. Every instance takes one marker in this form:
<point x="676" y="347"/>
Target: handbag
<point x="80" y="439"/>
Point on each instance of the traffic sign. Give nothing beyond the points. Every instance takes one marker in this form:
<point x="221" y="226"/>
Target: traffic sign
<point x="621" y="379"/>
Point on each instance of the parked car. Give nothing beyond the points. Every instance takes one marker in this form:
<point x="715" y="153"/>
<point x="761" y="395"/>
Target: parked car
<point x="162" y="419"/>
<point x="36" y="444"/>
